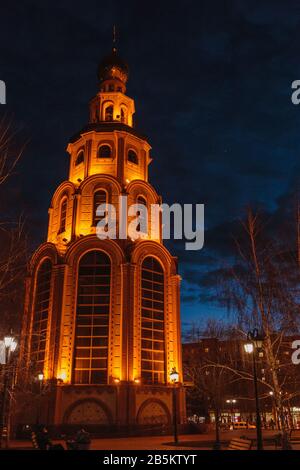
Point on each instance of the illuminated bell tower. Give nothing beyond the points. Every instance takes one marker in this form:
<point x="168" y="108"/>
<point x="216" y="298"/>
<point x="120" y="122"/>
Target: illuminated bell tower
<point x="102" y="317"/>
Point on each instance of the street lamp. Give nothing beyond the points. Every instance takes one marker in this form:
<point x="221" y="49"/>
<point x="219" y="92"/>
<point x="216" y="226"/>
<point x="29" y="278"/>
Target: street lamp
<point x="249" y="348"/>
<point x="274" y="411"/>
<point x="232" y="402"/>
<point x="10" y="346"/>
<point x="255" y="342"/>
<point x="40" y="378"/>
<point x="174" y="377"/>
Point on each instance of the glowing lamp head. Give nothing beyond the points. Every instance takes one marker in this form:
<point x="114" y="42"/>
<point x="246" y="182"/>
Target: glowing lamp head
<point x="13" y="345"/>
<point x="248" y="348"/>
<point x="41" y="377"/>
<point x="117" y="381"/>
<point x="137" y="381"/>
<point x="256" y="338"/>
<point x="7" y="341"/>
<point x="258" y="343"/>
<point x="174" y="376"/>
<point x="63" y="376"/>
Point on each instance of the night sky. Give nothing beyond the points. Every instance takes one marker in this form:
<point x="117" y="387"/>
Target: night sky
<point x="211" y="82"/>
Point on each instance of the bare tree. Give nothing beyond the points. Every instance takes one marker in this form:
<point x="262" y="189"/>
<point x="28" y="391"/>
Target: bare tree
<point x="12" y="258"/>
<point x="210" y="371"/>
<point x="262" y="287"/>
<point x="12" y="230"/>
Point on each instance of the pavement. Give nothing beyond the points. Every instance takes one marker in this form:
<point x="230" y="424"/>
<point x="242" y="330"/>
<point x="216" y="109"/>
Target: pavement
<point x="186" y="442"/>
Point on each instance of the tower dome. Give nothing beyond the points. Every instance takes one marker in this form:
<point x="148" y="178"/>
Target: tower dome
<point x="113" y="67"/>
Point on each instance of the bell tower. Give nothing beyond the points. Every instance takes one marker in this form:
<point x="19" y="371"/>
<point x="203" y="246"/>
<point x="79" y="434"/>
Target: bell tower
<point x="102" y="317"/>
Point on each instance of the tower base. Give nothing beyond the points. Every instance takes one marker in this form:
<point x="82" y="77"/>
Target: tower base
<point x="100" y="409"/>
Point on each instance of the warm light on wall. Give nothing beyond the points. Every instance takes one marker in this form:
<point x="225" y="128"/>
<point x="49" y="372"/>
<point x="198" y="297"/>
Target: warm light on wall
<point x="62" y="376"/>
<point x="174" y="375"/>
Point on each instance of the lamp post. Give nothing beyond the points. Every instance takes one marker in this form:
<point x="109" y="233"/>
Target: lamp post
<point x="174" y="377"/>
<point x="10" y="346"/>
<point x="232" y="402"/>
<point x="117" y="382"/>
<point x="40" y="378"/>
<point x="255" y="342"/>
<point x="274" y="411"/>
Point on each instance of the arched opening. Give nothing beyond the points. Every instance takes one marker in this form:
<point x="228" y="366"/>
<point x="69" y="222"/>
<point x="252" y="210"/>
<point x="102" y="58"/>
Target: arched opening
<point x="63" y="215"/>
<point x="143" y="225"/>
<point x="153" y="411"/>
<point x="88" y="411"/>
<point x="132" y="157"/>
<point x="100" y="197"/>
<point x="104" y="151"/>
<point x="79" y="158"/>
<point x="109" y="112"/>
<point x="40" y="316"/>
<point x="152" y="319"/>
<point x="92" y="319"/>
<point x="124" y="115"/>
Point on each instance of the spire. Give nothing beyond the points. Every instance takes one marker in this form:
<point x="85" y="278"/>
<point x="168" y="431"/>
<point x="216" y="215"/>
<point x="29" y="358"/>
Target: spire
<point x="113" y="67"/>
<point x="114" y="39"/>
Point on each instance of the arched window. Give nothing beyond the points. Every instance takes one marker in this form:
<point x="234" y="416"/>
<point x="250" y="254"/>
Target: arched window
<point x="141" y="200"/>
<point x="92" y="319"/>
<point x="63" y="215"/>
<point x="40" y="316"/>
<point x="79" y="158"/>
<point x="143" y="225"/>
<point x="99" y="198"/>
<point x="109" y="111"/>
<point x="123" y="115"/>
<point x="152" y="317"/>
<point x="104" y="151"/>
<point x="132" y="157"/>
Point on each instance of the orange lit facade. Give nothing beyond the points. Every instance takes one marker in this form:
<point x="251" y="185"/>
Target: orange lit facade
<point x="102" y="317"/>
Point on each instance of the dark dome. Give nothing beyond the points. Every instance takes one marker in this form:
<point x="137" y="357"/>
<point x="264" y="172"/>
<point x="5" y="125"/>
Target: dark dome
<point x="113" y="67"/>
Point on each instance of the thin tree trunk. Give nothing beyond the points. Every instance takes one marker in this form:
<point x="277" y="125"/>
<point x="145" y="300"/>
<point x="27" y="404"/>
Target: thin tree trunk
<point x="217" y="444"/>
<point x="271" y="361"/>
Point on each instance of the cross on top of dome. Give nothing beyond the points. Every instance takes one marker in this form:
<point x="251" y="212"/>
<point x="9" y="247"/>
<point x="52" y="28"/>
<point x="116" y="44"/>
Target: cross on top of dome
<point x="113" y="67"/>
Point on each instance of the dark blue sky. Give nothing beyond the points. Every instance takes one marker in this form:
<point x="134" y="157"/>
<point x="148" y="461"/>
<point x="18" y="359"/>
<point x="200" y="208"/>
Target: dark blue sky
<point x="212" y="85"/>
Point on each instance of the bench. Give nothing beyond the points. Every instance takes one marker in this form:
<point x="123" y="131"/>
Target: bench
<point x="47" y="445"/>
<point x="34" y="441"/>
<point x="240" y="444"/>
